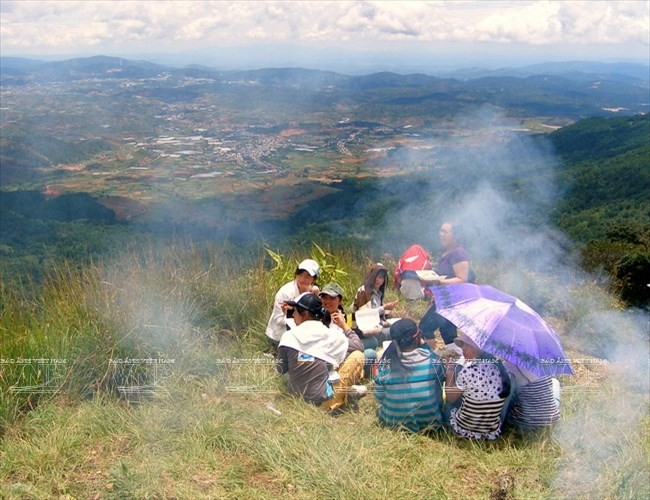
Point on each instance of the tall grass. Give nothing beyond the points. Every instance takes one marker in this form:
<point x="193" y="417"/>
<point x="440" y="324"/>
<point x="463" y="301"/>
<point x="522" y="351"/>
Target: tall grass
<point x="211" y="420"/>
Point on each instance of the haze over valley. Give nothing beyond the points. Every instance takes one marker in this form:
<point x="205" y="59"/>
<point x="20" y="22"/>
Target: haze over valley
<point x="162" y="180"/>
<point x="137" y="135"/>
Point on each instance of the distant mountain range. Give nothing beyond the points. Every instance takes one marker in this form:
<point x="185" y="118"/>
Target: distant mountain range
<point x="104" y="66"/>
<point x="17" y="69"/>
<point x="574" y="69"/>
<point x="573" y="89"/>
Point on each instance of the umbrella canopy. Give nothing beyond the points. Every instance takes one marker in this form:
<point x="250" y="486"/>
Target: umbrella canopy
<point x="502" y="325"/>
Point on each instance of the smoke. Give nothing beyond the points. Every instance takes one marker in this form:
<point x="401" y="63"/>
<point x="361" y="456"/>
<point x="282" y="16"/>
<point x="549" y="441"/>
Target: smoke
<point x="494" y="182"/>
<point x="601" y="439"/>
<point x="499" y="186"/>
<point x="151" y="319"/>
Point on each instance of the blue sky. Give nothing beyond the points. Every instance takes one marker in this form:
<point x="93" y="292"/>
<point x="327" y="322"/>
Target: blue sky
<point x="492" y="33"/>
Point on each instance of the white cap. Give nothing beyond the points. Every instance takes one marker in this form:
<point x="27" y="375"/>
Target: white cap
<point x="309" y="265"/>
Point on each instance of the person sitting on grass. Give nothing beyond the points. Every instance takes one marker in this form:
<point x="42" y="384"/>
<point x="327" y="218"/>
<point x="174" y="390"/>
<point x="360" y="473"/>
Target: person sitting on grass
<point x="406" y="281"/>
<point x="372" y="292"/>
<point x="371" y="295"/>
<point x="477" y="393"/>
<point x="408" y="385"/>
<point x="535" y="402"/>
<point x="454" y="264"/>
<point x="310" y="352"/>
<point x="351" y="370"/>
<point x="305" y="275"/>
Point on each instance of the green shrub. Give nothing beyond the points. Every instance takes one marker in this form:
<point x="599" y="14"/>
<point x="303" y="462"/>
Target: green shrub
<point x="633" y="279"/>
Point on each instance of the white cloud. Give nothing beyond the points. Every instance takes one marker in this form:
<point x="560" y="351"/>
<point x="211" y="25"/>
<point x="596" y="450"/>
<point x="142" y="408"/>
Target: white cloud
<point x="70" y="25"/>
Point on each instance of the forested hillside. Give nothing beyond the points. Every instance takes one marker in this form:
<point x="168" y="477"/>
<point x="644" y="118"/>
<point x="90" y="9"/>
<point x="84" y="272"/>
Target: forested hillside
<point x="600" y="138"/>
<point x="606" y="206"/>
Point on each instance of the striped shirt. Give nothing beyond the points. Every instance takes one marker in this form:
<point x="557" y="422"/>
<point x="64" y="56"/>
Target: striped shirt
<point x="533" y="405"/>
<point x="479" y="413"/>
<point x="411" y="399"/>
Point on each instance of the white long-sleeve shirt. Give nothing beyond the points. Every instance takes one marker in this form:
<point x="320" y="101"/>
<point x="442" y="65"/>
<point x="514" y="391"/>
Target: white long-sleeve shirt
<point x="278" y="322"/>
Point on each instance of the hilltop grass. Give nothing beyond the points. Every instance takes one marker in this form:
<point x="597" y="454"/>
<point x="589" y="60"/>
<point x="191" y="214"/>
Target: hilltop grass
<point x="211" y="428"/>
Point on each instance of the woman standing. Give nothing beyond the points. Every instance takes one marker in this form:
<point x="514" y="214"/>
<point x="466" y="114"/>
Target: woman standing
<point x="454" y="261"/>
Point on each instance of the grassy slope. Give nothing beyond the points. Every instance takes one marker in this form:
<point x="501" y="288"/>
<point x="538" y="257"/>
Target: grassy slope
<point x="197" y="438"/>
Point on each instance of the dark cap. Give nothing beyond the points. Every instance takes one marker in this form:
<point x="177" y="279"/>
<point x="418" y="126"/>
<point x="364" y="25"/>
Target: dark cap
<point x="309" y="302"/>
<point x="404" y="332"/>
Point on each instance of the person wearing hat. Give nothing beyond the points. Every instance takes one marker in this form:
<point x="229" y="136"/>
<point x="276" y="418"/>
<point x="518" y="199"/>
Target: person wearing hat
<point x="332" y="298"/>
<point x="408" y="385"/>
<point x="476" y="394"/>
<point x="305" y="276"/>
<point x="351" y="370"/>
<point x="310" y="352"/>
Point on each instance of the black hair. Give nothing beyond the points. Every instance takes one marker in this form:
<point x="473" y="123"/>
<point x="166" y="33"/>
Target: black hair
<point x="393" y="359"/>
<point x="317" y="314"/>
<point x="327" y="318"/>
<point x="382" y="288"/>
<point x="392" y="354"/>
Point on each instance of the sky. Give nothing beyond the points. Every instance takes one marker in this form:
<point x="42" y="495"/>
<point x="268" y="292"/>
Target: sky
<point x="492" y="33"/>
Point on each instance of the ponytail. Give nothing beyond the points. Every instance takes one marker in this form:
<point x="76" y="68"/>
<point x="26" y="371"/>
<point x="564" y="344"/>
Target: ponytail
<point x="320" y="314"/>
<point x="392" y="356"/>
<point x="327" y="319"/>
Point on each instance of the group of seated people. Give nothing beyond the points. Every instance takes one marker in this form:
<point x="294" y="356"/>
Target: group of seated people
<point x="416" y="387"/>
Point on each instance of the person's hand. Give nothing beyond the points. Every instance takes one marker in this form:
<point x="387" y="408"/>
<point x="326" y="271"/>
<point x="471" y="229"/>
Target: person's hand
<point x="314" y="289"/>
<point x="285" y="307"/>
<point x="390" y="305"/>
<point x="339" y="320"/>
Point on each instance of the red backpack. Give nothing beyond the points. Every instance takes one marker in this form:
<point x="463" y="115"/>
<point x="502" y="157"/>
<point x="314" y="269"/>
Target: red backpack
<point x="415" y="258"/>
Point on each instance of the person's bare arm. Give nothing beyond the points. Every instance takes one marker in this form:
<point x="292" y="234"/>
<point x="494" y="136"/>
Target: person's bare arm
<point x="452" y="391"/>
<point x="389" y="306"/>
<point x="461" y="270"/>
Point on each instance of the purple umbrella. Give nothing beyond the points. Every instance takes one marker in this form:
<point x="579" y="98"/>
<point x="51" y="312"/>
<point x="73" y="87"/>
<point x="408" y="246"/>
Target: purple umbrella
<point x="502" y="325"/>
